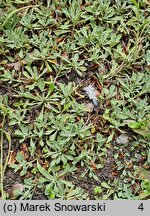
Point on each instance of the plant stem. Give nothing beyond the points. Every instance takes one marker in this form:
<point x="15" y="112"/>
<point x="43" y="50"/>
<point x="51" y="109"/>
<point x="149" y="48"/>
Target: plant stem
<point x="1" y="162"/>
<point x="7" y="158"/>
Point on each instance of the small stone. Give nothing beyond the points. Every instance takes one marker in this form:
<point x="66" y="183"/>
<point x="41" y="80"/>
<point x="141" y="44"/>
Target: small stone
<point x="122" y="139"/>
<point x="18" y="186"/>
<point x="89" y="106"/>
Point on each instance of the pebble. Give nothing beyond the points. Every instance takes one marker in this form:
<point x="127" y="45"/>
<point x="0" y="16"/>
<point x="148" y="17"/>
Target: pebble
<point x="122" y="139"/>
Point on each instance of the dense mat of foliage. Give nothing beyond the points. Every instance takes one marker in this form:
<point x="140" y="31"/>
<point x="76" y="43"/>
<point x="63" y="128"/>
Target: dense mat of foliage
<point x="54" y="142"/>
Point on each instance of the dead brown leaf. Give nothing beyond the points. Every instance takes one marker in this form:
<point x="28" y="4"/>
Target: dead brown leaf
<point x="12" y="157"/>
<point x="25" y="151"/>
<point x="16" y="65"/>
<point x="93" y="165"/>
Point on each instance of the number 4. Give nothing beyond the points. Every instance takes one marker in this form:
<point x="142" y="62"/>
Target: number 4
<point x="141" y="207"/>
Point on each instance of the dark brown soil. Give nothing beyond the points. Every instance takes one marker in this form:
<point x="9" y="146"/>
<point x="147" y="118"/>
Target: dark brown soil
<point x="10" y="179"/>
<point x="88" y="184"/>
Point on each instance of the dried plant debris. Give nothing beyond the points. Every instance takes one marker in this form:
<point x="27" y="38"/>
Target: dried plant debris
<point x="92" y="94"/>
<point x="74" y="99"/>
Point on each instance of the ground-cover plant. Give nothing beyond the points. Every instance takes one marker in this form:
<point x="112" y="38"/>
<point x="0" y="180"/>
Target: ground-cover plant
<point x="51" y="134"/>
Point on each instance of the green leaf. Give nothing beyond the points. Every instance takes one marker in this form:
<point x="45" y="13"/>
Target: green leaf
<point x="14" y="12"/>
<point x="69" y="184"/>
<point x="43" y="180"/>
<point x="19" y="157"/>
<point x="8" y="137"/>
<point x="23" y="171"/>
<point x="106" y="196"/>
<point x="105" y="185"/>
<point x="111" y="136"/>
<point x="107" y="117"/>
<point x="11" y="23"/>
<point x="148" y="57"/>
<point x="44" y="172"/>
<point x="141" y="128"/>
<point x="32" y="147"/>
<point x="97" y="190"/>
<point x="41" y="85"/>
<point x="135" y="125"/>
<point x="148" y="156"/>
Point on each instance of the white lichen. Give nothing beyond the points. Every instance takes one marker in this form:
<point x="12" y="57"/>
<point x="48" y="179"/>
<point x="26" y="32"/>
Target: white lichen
<point x="91" y="93"/>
